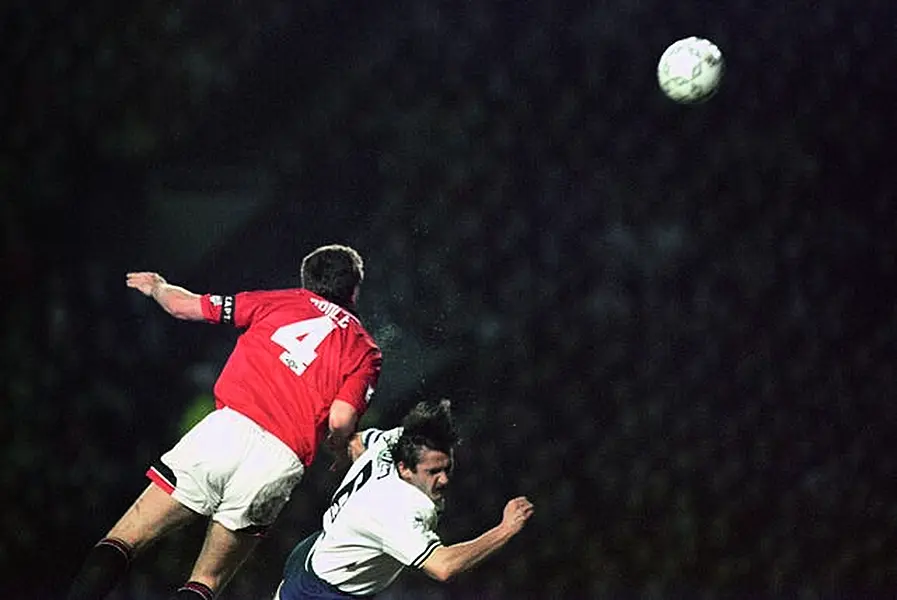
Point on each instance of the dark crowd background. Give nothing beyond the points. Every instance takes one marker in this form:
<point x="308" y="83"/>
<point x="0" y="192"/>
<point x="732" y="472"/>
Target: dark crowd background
<point x="671" y="327"/>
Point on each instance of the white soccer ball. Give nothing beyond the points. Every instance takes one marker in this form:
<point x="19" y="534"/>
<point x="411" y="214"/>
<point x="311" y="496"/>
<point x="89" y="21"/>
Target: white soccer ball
<point x="690" y="70"/>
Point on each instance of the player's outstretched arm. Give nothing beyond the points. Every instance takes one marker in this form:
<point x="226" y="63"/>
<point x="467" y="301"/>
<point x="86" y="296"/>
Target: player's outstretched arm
<point x="177" y="301"/>
<point x="448" y="561"/>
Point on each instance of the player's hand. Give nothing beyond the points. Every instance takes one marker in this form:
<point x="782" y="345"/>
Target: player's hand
<point x="145" y="283"/>
<point x="517" y="512"/>
<point x="338" y="447"/>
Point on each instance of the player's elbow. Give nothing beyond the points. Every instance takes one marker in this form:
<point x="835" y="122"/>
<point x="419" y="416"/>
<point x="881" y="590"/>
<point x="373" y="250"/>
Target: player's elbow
<point x="439" y="567"/>
<point x="343" y="419"/>
<point x="442" y="575"/>
<point x="438" y="572"/>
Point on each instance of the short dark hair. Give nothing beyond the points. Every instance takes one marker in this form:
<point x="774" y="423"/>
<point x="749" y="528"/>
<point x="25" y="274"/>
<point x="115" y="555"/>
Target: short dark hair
<point x="428" y="425"/>
<point x="333" y="272"/>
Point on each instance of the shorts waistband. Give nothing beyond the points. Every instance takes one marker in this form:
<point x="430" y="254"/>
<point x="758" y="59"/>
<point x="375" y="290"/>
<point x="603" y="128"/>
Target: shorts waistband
<point x="263" y="433"/>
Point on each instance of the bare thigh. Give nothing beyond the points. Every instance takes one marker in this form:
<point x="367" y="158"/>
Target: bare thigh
<point x="222" y="554"/>
<point x="153" y="515"/>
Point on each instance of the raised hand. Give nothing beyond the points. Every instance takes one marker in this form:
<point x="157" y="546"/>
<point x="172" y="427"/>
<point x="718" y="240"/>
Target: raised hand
<point x="144" y="282"/>
<point x="517" y="512"/>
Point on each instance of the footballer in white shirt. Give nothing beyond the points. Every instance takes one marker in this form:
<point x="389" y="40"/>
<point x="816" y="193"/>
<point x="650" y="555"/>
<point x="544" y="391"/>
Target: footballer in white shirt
<point x="383" y="516"/>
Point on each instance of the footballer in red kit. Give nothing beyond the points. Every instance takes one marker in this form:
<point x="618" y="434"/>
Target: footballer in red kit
<point x="299" y="351"/>
<point x="300" y="375"/>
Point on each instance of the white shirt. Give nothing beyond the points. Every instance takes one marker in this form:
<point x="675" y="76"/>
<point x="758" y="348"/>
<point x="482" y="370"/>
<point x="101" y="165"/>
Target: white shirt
<point x="377" y="524"/>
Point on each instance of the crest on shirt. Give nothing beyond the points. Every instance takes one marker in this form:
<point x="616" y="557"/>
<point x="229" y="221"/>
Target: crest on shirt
<point x="215" y="300"/>
<point x="420" y="523"/>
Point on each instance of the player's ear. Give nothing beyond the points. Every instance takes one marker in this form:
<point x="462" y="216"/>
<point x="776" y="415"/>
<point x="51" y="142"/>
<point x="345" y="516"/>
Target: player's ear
<point x="404" y="472"/>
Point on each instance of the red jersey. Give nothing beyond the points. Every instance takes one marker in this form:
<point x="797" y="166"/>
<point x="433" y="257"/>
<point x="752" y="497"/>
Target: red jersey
<point x="298" y="354"/>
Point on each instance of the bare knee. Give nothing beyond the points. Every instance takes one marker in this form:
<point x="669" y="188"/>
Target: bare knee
<point x="154" y="514"/>
<point x="222" y="554"/>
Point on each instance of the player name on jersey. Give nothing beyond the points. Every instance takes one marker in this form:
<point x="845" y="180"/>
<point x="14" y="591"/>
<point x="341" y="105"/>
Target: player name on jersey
<point x="339" y="315"/>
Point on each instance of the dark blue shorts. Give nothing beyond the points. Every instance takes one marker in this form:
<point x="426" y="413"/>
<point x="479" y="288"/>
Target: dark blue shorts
<point x="300" y="583"/>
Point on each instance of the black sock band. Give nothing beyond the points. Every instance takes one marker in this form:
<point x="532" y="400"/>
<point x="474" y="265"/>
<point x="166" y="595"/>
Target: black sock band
<point x="104" y="566"/>
<point x="125" y="550"/>
<point x="194" y="590"/>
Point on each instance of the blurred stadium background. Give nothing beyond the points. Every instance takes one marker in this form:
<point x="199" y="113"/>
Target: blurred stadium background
<point x="672" y="327"/>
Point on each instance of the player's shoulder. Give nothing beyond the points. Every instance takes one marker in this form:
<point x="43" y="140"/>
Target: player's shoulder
<point x="360" y="331"/>
<point x="362" y="340"/>
<point x="364" y="333"/>
<point x="284" y="295"/>
<point x="299" y="303"/>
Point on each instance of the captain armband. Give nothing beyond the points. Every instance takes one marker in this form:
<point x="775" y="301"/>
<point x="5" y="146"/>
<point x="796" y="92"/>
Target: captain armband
<point x="227" y="308"/>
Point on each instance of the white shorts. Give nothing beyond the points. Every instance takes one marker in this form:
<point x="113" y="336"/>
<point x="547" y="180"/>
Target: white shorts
<point x="230" y="468"/>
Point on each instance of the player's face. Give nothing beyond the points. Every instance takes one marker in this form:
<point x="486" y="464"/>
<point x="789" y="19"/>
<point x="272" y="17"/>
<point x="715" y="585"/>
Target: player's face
<point x="432" y="475"/>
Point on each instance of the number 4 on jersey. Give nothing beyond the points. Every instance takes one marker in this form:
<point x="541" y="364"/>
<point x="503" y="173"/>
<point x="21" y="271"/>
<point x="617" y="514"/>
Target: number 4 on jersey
<point x="300" y="341"/>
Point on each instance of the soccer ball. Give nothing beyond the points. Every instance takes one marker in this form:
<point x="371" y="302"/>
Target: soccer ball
<point x="690" y="69"/>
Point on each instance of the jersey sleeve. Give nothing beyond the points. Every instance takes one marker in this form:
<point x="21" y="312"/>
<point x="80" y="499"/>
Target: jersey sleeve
<point x="409" y="536"/>
<point x="372" y="436"/>
<point x="358" y="387"/>
<point x="238" y="310"/>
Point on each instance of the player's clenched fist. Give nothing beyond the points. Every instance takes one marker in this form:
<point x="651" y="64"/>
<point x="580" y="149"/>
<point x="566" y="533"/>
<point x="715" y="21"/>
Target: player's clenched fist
<point x="517" y="511"/>
<point x="145" y="282"/>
